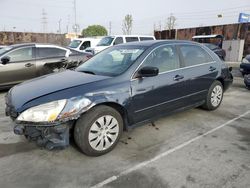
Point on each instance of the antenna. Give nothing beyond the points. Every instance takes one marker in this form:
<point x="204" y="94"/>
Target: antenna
<point x="44" y="21"/>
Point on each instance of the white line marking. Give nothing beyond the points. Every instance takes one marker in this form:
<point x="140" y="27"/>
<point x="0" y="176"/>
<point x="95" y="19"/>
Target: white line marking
<point x="145" y="163"/>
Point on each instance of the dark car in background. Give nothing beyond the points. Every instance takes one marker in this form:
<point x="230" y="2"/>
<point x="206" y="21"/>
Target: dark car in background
<point x="121" y="87"/>
<point x="25" y="61"/>
<point x="216" y="49"/>
<point x="245" y="65"/>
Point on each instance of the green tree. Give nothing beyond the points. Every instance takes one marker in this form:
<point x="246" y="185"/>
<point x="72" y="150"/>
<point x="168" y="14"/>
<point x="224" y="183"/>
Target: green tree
<point x="94" y="30"/>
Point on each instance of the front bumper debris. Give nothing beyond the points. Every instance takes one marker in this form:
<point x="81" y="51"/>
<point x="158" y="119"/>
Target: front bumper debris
<point x="50" y="137"/>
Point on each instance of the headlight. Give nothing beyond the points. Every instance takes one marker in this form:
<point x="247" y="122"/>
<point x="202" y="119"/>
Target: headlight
<point x="56" y="110"/>
<point x="74" y="107"/>
<point x="43" y="113"/>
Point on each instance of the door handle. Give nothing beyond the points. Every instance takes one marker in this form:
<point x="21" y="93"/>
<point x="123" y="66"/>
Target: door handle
<point x="211" y="69"/>
<point x="29" y="65"/>
<point x="178" y="77"/>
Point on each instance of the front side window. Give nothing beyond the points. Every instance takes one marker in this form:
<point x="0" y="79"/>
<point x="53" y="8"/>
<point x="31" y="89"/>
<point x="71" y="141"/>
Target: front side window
<point x="111" y="62"/>
<point x="118" y="40"/>
<point x="165" y="58"/>
<point x="23" y="54"/>
<point x="132" y="39"/>
<point x="50" y="52"/>
<point x="106" y="41"/>
<point x="194" y="55"/>
<point x="85" y="45"/>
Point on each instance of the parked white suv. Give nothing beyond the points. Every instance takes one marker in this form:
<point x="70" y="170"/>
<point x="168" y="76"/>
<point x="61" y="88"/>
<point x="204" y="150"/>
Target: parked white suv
<point x="81" y="44"/>
<point x="117" y="39"/>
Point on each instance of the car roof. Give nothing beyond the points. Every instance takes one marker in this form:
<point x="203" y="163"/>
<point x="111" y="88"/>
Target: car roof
<point x="158" y="42"/>
<point x="35" y="45"/>
<point x="130" y="36"/>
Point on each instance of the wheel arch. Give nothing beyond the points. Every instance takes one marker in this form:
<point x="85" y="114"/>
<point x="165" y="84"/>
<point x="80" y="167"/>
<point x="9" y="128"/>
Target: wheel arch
<point x="221" y="80"/>
<point x="123" y="112"/>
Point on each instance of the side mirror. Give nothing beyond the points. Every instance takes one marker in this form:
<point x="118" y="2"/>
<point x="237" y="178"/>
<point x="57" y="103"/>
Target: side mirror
<point x="230" y="69"/>
<point x="148" y="72"/>
<point x="5" y="60"/>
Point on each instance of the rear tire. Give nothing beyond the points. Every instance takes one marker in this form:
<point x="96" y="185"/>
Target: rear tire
<point x="98" y="131"/>
<point x="214" y="96"/>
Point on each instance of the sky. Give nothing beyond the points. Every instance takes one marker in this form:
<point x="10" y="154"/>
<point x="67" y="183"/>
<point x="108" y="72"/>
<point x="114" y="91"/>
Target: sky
<point x="26" y="15"/>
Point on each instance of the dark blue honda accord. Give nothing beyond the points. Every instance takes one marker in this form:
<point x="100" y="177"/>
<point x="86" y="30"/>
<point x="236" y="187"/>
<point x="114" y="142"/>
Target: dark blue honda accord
<point x="121" y="87"/>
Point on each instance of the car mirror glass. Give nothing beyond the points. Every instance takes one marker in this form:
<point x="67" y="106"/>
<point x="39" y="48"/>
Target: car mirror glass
<point x="148" y="72"/>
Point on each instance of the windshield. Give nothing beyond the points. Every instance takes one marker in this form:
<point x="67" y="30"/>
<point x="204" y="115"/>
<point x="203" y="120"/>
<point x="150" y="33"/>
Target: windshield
<point x="3" y="50"/>
<point x="112" y="62"/>
<point x="106" y="41"/>
<point x="75" y="43"/>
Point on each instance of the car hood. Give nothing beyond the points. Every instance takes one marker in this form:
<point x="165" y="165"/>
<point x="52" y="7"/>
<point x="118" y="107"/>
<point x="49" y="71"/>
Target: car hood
<point x="45" y="85"/>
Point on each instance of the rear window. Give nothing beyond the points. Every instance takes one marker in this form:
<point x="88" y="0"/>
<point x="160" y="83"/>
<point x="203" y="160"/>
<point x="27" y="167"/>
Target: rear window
<point x="131" y="39"/>
<point x="146" y="38"/>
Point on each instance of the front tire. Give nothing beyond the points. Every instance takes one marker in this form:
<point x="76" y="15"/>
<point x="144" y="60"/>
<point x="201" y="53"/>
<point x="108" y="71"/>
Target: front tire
<point x="98" y="131"/>
<point x="214" y="96"/>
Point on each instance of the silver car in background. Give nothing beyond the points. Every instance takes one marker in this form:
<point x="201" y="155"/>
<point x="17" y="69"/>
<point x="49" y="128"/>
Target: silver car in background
<point x="26" y="61"/>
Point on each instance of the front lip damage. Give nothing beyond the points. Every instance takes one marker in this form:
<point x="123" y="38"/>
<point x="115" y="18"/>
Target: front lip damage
<point x="50" y="137"/>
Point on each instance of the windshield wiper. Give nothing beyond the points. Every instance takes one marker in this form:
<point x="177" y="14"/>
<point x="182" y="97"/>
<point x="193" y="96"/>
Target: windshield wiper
<point x="88" y="72"/>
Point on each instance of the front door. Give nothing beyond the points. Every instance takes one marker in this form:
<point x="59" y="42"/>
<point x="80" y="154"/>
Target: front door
<point x="153" y="96"/>
<point x="21" y="67"/>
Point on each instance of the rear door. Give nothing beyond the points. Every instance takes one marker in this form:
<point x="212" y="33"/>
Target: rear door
<point x="49" y="59"/>
<point x="199" y="73"/>
<point x="21" y="67"/>
<point x="154" y="96"/>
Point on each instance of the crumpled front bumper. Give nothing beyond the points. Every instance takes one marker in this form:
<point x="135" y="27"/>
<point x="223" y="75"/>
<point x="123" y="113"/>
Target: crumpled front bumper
<point x="50" y="137"/>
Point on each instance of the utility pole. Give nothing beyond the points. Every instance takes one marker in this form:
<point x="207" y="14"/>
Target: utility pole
<point x="67" y="27"/>
<point x="59" y="24"/>
<point x="44" y="21"/>
<point x="110" y="28"/>
<point x="75" y="26"/>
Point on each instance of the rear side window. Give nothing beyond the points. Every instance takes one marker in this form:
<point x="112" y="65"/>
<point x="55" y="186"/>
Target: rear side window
<point x="131" y="39"/>
<point x="118" y="40"/>
<point x="50" y="52"/>
<point x="146" y="38"/>
<point x="194" y="55"/>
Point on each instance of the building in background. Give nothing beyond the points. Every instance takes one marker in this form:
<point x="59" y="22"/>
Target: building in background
<point x="236" y="36"/>
<point x="8" y="38"/>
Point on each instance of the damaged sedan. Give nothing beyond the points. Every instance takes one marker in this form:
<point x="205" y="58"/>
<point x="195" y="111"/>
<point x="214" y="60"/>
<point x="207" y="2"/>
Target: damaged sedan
<point x="119" y="88"/>
<point x="21" y="62"/>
